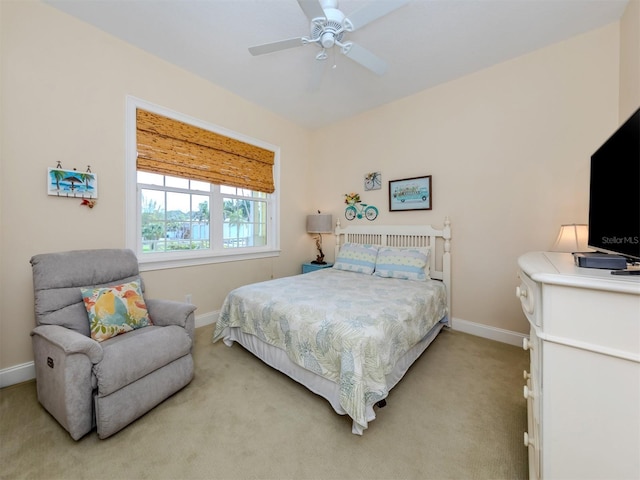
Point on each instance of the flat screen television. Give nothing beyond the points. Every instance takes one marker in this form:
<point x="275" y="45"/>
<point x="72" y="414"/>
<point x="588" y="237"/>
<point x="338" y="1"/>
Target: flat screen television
<point x="614" y="193"/>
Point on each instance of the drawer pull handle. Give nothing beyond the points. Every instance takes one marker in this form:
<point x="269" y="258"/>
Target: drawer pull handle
<point x="527" y="393"/>
<point x="526" y="344"/>
<point x="521" y="292"/>
<point x="528" y="442"/>
<point x="526" y="375"/>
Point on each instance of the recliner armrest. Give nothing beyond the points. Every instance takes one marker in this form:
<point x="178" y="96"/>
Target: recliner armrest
<point x="70" y="341"/>
<point x="169" y="312"/>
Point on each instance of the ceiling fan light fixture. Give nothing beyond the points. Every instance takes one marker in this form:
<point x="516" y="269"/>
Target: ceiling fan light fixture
<point x="328" y="26"/>
<point x="331" y="29"/>
<point x="318" y="32"/>
<point x="327" y="39"/>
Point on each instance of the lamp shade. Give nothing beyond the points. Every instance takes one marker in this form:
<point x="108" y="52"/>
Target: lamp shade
<point x="572" y="238"/>
<point x="320" y="223"/>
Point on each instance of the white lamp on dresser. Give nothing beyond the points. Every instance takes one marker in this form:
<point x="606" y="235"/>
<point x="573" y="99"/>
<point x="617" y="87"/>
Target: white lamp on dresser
<point x="583" y="386"/>
<point x="572" y="238"/>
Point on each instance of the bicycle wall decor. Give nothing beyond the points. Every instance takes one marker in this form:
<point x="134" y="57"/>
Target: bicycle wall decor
<point x="373" y="181"/>
<point x="357" y="209"/>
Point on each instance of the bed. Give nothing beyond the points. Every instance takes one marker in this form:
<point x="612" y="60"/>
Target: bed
<point x="349" y="333"/>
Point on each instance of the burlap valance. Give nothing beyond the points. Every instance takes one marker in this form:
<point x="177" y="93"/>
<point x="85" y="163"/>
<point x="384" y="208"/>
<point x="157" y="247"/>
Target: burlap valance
<point x="171" y="147"/>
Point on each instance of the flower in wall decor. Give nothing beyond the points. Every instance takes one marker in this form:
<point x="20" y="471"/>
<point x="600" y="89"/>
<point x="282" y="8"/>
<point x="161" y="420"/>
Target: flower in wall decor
<point x="351" y="198"/>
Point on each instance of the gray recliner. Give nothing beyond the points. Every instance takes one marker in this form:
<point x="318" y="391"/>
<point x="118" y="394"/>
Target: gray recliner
<point x="84" y="383"/>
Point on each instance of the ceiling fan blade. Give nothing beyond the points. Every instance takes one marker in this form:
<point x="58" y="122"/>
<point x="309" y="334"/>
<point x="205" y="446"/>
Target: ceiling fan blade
<point x="312" y="9"/>
<point x="276" y="46"/>
<point x="365" y="58"/>
<point x="372" y="11"/>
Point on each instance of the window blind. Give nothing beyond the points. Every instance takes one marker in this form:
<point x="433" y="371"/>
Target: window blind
<point x="170" y="147"/>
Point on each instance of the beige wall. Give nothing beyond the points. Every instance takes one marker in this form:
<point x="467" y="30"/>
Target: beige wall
<point x="508" y="148"/>
<point x="64" y="85"/>
<point x="630" y="60"/>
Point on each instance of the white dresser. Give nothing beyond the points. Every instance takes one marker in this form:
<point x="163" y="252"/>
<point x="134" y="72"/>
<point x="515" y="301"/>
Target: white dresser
<point x="583" y="387"/>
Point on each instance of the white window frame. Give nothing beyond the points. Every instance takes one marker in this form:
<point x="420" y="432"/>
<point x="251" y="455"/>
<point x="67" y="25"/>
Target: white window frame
<point x="184" y="258"/>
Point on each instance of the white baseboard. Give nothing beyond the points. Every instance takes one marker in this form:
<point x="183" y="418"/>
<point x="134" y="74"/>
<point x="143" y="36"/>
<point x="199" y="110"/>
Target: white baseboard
<point x="17" y="374"/>
<point x="27" y="371"/>
<point x="207" y="318"/>
<point x="486" y="331"/>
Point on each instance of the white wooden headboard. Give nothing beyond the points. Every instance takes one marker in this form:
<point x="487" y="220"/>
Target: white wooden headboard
<point x="423" y="236"/>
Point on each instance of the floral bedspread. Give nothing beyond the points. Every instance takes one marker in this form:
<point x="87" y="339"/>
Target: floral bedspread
<point x="348" y="327"/>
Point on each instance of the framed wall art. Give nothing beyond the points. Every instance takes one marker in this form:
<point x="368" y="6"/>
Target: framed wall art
<point x="71" y="183"/>
<point x="410" y="194"/>
<point x="373" y="181"/>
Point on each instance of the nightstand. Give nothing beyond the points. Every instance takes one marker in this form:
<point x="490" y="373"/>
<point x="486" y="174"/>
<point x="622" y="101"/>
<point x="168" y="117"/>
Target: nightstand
<point x="311" y="267"/>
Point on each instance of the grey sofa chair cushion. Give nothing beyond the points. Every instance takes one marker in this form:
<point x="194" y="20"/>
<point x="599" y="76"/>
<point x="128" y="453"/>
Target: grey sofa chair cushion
<point x="58" y="278"/>
<point x="128" y="358"/>
<point x="84" y="383"/>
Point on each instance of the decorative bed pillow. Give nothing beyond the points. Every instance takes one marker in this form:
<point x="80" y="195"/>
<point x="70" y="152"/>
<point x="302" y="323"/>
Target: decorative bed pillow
<point x="403" y="263"/>
<point x="357" y="257"/>
<point x="115" y="310"/>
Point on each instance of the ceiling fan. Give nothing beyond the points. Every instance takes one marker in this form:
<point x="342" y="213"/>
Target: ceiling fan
<point x="329" y="27"/>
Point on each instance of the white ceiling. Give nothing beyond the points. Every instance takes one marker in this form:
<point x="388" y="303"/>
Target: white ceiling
<point x="425" y="43"/>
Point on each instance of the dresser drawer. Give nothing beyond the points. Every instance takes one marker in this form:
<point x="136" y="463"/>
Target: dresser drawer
<point x="533" y="394"/>
<point x="583" y="381"/>
<point x="528" y="292"/>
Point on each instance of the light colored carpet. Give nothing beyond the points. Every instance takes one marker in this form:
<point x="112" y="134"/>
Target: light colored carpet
<point x="457" y="414"/>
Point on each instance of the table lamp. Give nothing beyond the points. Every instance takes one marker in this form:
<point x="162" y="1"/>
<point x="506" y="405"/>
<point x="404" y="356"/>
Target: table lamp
<point x="319" y="223"/>
<point x="572" y="238"/>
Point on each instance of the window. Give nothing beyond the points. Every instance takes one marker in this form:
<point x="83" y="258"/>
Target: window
<point x="174" y="213"/>
<point x="244" y="215"/>
<point x="175" y="217"/>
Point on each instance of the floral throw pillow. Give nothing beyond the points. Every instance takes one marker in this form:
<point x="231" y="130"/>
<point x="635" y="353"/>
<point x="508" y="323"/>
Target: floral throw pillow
<point x="115" y="310"/>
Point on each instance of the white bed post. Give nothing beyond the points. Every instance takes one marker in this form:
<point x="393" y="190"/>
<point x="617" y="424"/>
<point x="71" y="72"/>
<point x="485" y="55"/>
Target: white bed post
<point x="446" y="265"/>
<point x="337" y="235"/>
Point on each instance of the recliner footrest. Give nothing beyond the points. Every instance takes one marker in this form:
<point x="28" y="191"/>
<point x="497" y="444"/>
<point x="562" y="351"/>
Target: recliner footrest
<point x="116" y="411"/>
<point x="131" y="356"/>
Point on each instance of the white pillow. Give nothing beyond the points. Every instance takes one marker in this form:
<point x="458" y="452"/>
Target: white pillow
<point x="403" y="263"/>
<point x="357" y="257"/>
